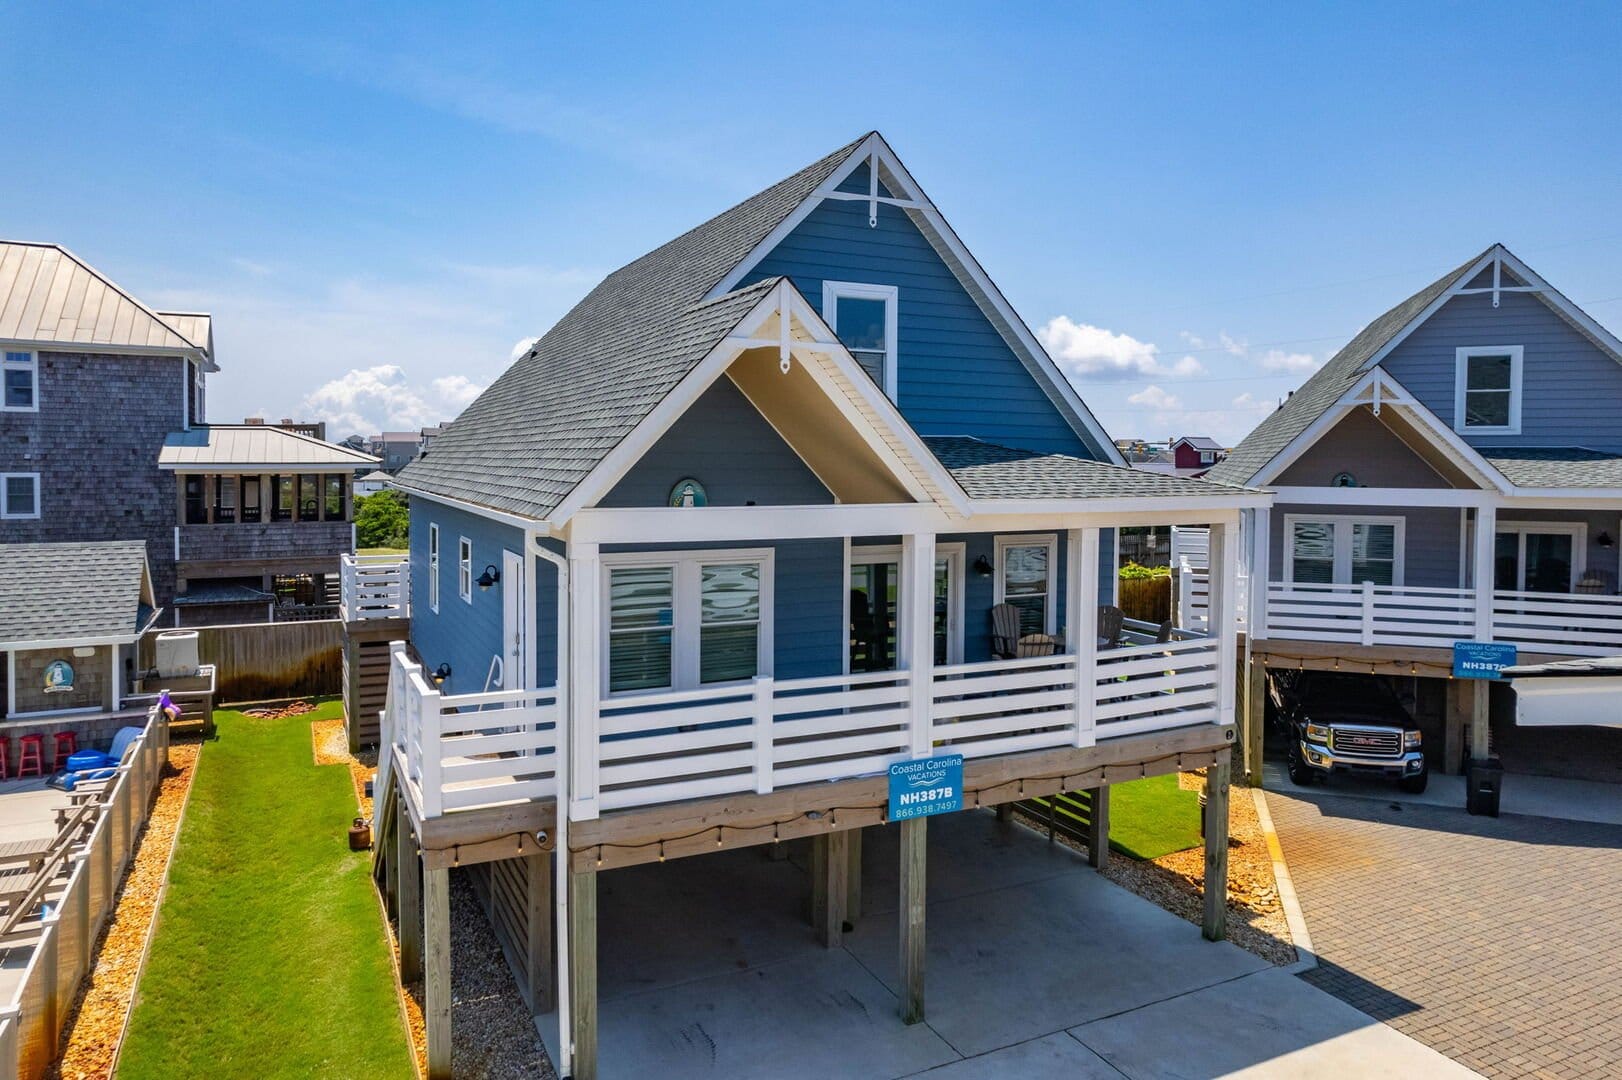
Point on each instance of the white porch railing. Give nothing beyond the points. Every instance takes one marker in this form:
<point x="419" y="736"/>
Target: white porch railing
<point x="464" y="751"/>
<point x="1369" y="614"/>
<point x="1194" y="597"/>
<point x="374" y="587"/>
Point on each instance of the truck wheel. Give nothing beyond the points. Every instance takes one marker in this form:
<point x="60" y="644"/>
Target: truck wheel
<point x="1301" y="774"/>
<point x="1414" y="785"/>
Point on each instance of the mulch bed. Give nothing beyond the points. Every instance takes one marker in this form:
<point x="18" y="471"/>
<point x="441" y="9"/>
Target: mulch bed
<point x="281" y="712"/>
<point x="332" y="748"/>
<point x="96" y="1019"/>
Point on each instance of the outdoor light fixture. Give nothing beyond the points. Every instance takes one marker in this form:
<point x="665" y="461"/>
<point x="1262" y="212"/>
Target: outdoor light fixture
<point x="490" y="576"/>
<point x="441" y="673"/>
<point x="1604" y="540"/>
<point x="982" y="566"/>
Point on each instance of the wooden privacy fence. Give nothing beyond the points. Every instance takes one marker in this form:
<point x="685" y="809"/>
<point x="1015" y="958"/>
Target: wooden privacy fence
<point x="62" y="930"/>
<point x="263" y="661"/>
<point x="1147" y="599"/>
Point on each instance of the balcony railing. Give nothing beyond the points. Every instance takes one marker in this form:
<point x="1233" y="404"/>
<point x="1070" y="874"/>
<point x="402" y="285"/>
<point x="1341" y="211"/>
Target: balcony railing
<point x="477" y="750"/>
<point x="1369" y="614"/>
<point x="375" y="587"/>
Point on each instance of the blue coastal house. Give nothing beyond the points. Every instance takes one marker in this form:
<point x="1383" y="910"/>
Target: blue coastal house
<point x="790" y="499"/>
<point x="1453" y="474"/>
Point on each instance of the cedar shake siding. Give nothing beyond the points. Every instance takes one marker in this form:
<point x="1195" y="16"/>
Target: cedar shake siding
<point x="306" y="542"/>
<point x="94" y="441"/>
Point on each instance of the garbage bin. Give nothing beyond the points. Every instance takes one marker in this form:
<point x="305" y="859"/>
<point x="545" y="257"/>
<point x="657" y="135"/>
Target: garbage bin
<point x="1484" y="784"/>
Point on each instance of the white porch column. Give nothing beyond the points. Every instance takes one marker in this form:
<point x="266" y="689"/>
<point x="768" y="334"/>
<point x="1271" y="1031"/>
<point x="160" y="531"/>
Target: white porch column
<point x="1481" y="576"/>
<point x="1081" y="627"/>
<point x="585" y="678"/>
<point x="1224" y="564"/>
<point x="915" y="634"/>
<point x="1261" y="559"/>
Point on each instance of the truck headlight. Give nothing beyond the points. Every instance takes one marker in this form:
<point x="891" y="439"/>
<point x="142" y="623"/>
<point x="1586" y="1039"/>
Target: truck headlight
<point x="1318" y="732"/>
<point x="1410" y="740"/>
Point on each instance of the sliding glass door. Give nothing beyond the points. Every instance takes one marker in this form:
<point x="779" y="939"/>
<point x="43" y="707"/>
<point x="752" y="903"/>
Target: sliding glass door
<point x="875" y="575"/>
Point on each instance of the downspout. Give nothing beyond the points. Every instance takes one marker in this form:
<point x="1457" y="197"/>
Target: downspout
<point x="560" y="828"/>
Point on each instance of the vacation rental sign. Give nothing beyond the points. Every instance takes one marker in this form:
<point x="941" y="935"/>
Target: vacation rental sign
<point x="1481" y="659"/>
<point x="926" y="786"/>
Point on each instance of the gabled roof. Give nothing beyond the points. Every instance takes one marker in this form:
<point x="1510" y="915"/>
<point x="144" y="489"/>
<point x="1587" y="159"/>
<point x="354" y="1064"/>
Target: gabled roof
<point x="228" y="446"/>
<point x="1329" y="383"/>
<point x="74" y="592"/>
<point x="988" y="471"/>
<point x="540" y="428"/>
<point x="50" y="297"/>
<point x="1198" y="442"/>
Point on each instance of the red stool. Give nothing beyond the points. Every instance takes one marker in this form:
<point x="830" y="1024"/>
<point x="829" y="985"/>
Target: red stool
<point x="5" y="758"/>
<point x="63" y="744"/>
<point x="31" y="756"/>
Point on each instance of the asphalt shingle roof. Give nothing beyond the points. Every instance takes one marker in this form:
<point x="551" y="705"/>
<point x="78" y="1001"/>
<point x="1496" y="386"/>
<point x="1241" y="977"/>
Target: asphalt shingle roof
<point x="540" y="428"/>
<point x="1326" y="386"/>
<point x="1557" y="467"/>
<point x="71" y="591"/>
<point x="988" y="471"/>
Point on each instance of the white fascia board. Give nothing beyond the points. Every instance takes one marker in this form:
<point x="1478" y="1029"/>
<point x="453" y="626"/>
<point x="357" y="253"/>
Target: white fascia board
<point x="1432" y="308"/>
<point x="251" y="468"/>
<point x="678" y="524"/>
<point x="1569" y="498"/>
<point x="70" y="643"/>
<point x="503" y="517"/>
<point x="959" y="260"/>
<point x="109" y="349"/>
<point x="1172" y="508"/>
<point x="1559" y="302"/>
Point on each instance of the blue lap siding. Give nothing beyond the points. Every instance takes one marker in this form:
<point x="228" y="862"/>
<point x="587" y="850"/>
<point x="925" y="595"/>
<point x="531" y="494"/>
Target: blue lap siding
<point x="462" y="634"/>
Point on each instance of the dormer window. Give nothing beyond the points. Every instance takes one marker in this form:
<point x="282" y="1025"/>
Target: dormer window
<point x="1487" y="390"/>
<point x="19" y="381"/>
<point x="864" y="317"/>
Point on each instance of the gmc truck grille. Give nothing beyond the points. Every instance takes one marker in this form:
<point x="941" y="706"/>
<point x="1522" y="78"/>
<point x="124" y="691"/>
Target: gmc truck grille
<point x="1366" y="743"/>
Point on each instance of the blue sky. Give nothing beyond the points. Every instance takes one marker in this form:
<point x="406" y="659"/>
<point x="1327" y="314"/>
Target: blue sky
<point x="1198" y="202"/>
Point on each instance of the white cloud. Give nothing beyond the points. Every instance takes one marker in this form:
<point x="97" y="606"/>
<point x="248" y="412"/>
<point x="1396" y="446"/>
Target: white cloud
<point x="1153" y="397"/>
<point x="1084" y="351"/>
<point x="522" y="346"/>
<point x="380" y="398"/>
<point x="1294" y="362"/>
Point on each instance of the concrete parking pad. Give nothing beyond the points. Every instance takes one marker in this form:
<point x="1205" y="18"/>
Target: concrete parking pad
<point x="1263" y="1025"/>
<point x="710" y="969"/>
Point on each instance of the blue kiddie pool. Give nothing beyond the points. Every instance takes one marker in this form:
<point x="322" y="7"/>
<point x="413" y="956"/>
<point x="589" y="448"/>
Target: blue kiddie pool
<point x="84" y="760"/>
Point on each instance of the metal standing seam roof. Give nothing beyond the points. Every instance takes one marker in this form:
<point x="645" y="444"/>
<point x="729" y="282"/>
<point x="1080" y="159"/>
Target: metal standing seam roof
<point x="988" y="471"/>
<point x="218" y="445"/>
<point x="1327" y="385"/>
<point x="1556" y="466"/>
<point x="540" y="428"/>
<point x="74" y="591"/>
<point x="48" y="295"/>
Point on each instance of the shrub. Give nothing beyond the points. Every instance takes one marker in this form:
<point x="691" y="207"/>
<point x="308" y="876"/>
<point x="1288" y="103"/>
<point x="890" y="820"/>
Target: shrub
<point x="382" y="520"/>
<point x="1133" y="572"/>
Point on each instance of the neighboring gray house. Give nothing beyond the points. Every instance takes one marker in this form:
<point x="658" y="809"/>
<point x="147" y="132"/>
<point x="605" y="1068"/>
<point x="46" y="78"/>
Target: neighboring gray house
<point x="395" y="449"/>
<point x="93" y="384"/>
<point x="1454" y="473"/>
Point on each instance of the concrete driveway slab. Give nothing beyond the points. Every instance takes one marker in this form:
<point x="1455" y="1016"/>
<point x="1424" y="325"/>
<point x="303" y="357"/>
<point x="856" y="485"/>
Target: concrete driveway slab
<point x="1264" y="1025"/>
<point x="1006" y="966"/>
<point x="1056" y="1055"/>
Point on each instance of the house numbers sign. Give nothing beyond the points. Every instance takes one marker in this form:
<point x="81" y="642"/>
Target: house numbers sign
<point x="58" y="677"/>
<point x="688" y="492"/>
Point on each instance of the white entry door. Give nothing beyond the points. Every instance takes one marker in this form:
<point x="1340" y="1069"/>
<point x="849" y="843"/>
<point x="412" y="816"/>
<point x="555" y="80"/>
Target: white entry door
<point x="514" y="621"/>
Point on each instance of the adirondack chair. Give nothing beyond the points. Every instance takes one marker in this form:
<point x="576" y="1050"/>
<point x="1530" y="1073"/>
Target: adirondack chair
<point x="1111" y="619"/>
<point x="1163" y="634"/>
<point x="1036" y="645"/>
<point x="1004" y="631"/>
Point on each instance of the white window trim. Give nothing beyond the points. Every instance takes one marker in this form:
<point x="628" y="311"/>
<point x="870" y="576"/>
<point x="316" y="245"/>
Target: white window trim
<point x="953" y="554"/>
<point x="857" y="290"/>
<point x="32" y="365"/>
<point x="686" y="614"/>
<point x="1577" y="530"/>
<point x="433" y="568"/>
<point x="464" y="569"/>
<point x="1342" y="571"/>
<point x="1051" y="542"/>
<point x="39" y="497"/>
<point x="1461" y="363"/>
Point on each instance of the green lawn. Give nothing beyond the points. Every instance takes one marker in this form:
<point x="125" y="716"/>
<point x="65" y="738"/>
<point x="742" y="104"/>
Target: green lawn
<point x="1153" y="817"/>
<point x="382" y="551"/>
<point x="270" y="958"/>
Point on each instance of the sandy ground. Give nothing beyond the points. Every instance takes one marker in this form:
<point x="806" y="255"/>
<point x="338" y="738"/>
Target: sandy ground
<point x="96" y="1019"/>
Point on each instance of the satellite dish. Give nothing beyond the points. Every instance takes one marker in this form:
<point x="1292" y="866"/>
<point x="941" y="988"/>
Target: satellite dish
<point x="523" y="346"/>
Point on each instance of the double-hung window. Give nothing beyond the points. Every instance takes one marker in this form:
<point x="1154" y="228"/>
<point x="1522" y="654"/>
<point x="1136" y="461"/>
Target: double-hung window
<point x="1343" y="550"/>
<point x="681" y="621"/>
<point x="464" y="569"/>
<point x="19" y="495"/>
<point x="864" y="318"/>
<point x="19" y="381"/>
<point x="1026" y="578"/>
<point x="433" y="568"/>
<point x="1487" y="390"/>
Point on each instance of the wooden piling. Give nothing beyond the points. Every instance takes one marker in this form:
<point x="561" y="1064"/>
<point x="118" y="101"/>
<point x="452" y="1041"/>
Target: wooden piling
<point x="1098" y="827"/>
<point x="914" y="851"/>
<point x="408" y="882"/>
<point x="436" y="1010"/>
<point x="1215" y="922"/>
<point x="583" y="972"/>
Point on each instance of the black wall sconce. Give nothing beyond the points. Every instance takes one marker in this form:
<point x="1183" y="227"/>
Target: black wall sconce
<point x="982" y="566"/>
<point x="1604" y="539"/>
<point x="490" y="576"/>
<point x="440" y="674"/>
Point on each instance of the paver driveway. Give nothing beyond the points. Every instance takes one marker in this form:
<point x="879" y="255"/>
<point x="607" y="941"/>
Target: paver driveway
<point x="1495" y="941"/>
